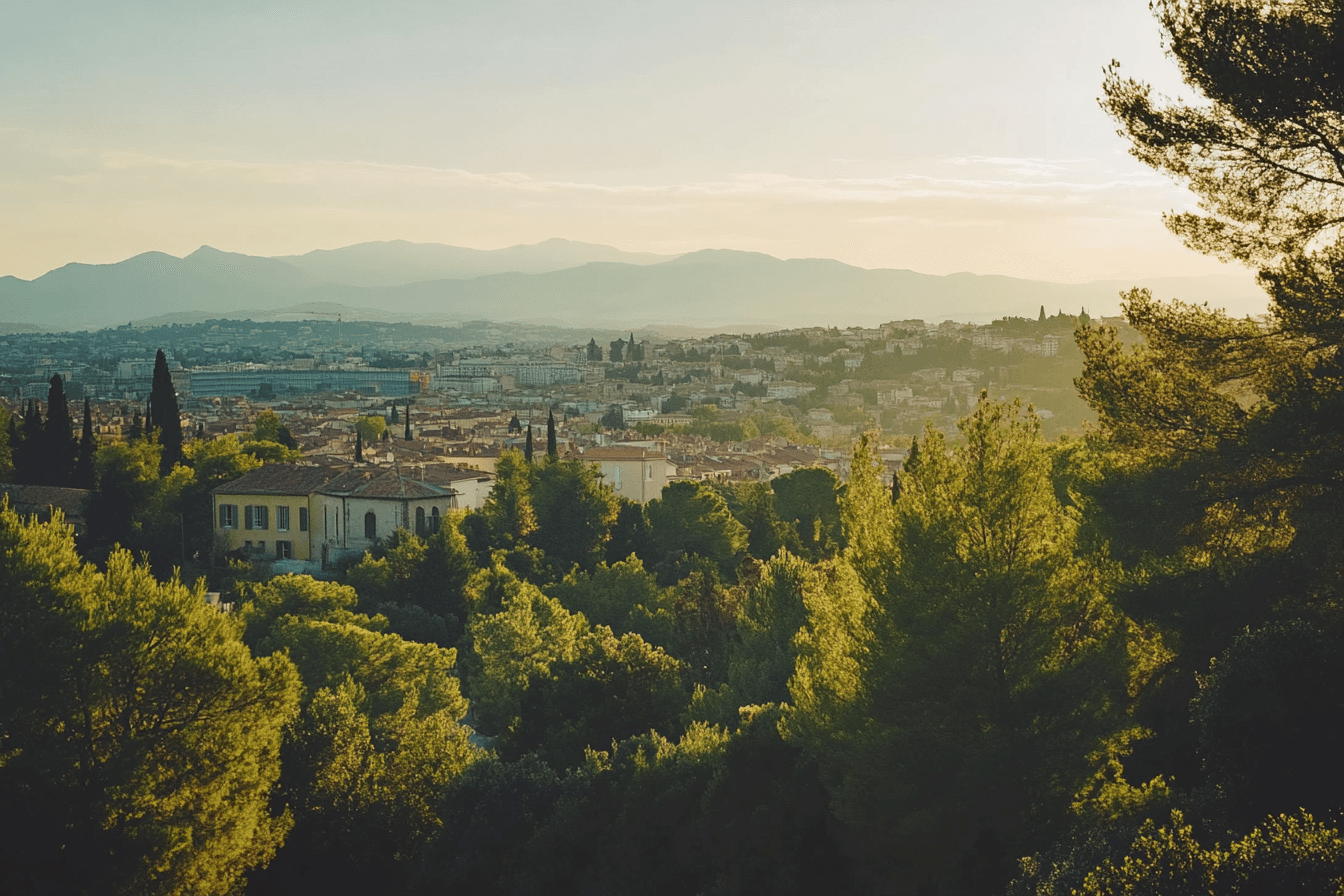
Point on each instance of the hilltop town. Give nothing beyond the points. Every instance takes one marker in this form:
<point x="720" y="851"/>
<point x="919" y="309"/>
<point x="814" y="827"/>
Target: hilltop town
<point x="729" y="407"/>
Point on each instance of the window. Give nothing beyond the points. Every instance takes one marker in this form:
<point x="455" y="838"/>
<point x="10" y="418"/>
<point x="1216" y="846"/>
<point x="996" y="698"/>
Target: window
<point x="420" y="522"/>
<point x="256" y="516"/>
<point x="228" y="516"/>
<point x="303" y="519"/>
<point x="282" y="518"/>
<point x="650" y="471"/>
<point x="284" y="550"/>
<point x="434" y="519"/>
<point x="370" y="526"/>
<point x="261" y="547"/>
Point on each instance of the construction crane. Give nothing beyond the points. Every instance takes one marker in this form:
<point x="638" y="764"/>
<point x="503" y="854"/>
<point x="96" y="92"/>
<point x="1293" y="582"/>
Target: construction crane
<point x="328" y="314"/>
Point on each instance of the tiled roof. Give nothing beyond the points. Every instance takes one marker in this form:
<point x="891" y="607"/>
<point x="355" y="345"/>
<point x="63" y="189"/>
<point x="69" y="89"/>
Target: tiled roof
<point x="382" y="484"/>
<point x="278" y="479"/>
<point x="474" y="451"/>
<point x="447" y="474"/>
<point x="38" y="499"/>
<point x="621" y="454"/>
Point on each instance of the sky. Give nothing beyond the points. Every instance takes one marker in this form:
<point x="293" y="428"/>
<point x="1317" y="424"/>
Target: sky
<point x="957" y="135"/>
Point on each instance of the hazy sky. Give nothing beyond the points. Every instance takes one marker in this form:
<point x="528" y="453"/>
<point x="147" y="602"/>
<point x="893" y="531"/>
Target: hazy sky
<point x="937" y="135"/>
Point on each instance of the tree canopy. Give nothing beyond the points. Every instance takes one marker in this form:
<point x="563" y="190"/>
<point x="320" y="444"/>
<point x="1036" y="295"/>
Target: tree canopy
<point x="141" y="738"/>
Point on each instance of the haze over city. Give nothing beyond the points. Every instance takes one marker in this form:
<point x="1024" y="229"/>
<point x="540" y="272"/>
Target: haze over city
<point x="960" y="136"/>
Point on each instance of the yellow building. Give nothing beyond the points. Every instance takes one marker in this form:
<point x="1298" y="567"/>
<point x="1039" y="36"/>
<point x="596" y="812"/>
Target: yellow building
<point x="266" y="514"/>
<point x="314" y="516"/>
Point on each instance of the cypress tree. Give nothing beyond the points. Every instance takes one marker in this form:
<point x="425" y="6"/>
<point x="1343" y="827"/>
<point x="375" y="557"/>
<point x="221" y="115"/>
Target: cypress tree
<point x="394" y="420"/>
<point x="408" y="421"/>
<point x="15" y="447"/>
<point x="32" y="422"/>
<point x="527" y="446"/>
<point x="1041" y="319"/>
<point x="84" y="466"/>
<point x="20" y="449"/>
<point x="59" y="449"/>
<point x="137" y="428"/>
<point x="551" y="451"/>
<point x="359" y="447"/>
<point x="167" y="417"/>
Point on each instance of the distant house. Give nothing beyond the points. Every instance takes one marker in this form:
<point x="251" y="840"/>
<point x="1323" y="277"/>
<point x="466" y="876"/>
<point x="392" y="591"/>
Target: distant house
<point x="635" y="473"/>
<point x="475" y="456"/>
<point x="42" y="500"/>
<point x="312" y="516"/>
<point x="267" y="513"/>
<point x="472" y="486"/>
<point x="355" y="510"/>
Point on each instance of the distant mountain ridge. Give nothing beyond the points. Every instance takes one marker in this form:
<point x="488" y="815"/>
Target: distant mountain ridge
<point x="398" y="262"/>
<point x="560" y="283"/>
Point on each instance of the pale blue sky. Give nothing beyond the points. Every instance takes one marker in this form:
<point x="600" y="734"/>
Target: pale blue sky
<point x="938" y="136"/>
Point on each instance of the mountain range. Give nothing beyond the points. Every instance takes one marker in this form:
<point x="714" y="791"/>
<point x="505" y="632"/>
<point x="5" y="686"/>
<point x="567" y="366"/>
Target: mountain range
<point x="557" y="282"/>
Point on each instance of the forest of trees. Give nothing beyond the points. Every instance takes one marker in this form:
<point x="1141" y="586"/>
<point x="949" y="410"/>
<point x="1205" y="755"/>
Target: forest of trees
<point x="1108" y="665"/>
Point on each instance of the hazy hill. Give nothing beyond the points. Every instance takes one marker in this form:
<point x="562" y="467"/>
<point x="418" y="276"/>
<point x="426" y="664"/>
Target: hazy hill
<point x="745" y="289"/>
<point x="711" y="288"/>
<point x="398" y="262"/>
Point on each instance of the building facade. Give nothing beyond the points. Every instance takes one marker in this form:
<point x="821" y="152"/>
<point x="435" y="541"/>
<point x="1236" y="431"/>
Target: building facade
<point x="635" y="473"/>
<point x="313" y="516"/>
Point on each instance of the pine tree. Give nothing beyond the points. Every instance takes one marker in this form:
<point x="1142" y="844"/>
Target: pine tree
<point x="551" y="450"/>
<point x="84" y="466"/>
<point x="167" y="418"/>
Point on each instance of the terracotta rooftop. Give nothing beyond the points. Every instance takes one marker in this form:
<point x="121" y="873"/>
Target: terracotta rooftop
<point x="39" y="500"/>
<point x="373" y="483"/>
<point x="447" y="474"/>
<point x="615" y="453"/>
<point x="278" y="479"/>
